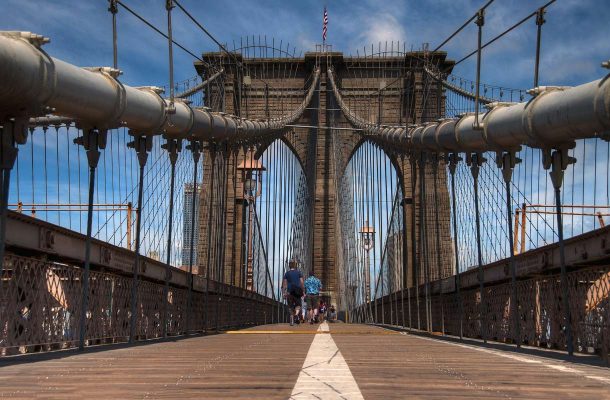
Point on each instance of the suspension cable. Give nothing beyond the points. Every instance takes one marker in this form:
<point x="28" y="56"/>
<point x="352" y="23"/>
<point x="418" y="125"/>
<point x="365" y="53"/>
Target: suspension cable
<point x="151" y="26"/>
<point x="463" y="26"/>
<point x="222" y="47"/>
<point x="508" y="30"/>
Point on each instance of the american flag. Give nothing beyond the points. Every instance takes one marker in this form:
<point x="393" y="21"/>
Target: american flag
<point x="324" y="28"/>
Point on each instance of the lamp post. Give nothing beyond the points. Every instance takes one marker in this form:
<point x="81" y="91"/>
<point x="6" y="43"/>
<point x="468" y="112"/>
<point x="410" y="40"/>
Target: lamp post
<point x="251" y="172"/>
<point x="367" y="234"/>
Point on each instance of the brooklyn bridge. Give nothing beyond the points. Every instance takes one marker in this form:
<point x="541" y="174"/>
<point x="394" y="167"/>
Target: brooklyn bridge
<point x="458" y="227"/>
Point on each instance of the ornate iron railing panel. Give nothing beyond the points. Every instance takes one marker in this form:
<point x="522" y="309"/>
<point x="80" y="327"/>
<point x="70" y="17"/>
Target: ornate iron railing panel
<point x="41" y="307"/>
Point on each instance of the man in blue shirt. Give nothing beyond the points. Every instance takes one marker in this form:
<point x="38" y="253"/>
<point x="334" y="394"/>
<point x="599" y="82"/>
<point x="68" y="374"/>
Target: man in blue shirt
<point x="292" y="287"/>
<point x="312" y="290"/>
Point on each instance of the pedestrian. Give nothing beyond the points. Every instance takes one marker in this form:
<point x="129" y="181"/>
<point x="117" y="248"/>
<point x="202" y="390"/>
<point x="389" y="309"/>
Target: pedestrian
<point x="312" y="291"/>
<point x="332" y="314"/>
<point x="322" y="311"/>
<point x="293" y="288"/>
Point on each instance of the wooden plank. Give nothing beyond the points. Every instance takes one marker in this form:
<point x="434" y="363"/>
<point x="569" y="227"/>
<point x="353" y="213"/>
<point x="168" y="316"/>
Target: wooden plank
<point x="408" y="366"/>
<point x="385" y="364"/>
<point x="220" y="366"/>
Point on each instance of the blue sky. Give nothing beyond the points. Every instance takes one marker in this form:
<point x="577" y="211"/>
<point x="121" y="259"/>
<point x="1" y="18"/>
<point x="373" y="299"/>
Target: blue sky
<point x="575" y="37"/>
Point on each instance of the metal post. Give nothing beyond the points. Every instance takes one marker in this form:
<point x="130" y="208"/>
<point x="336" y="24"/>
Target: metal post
<point x="114" y="9"/>
<point x="424" y="240"/>
<point x="250" y="245"/>
<point x="539" y="22"/>
<point x="195" y="148"/>
<point x="368" y="287"/>
<point x="221" y="226"/>
<point x="92" y="140"/>
<point x="516" y="231"/>
<point x="142" y="145"/>
<point x="128" y="223"/>
<point x="557" y="162"/>
<point x="13" y="132"/>
<point x="413" y="238"/>
<point x="523" y="225"/>
<point x="507" y="162"/>
<point x="172" y="146"/>
<point x="405" y="258"/>
<point x="212" y="150"/>
<point x="169" y="4"/>
<point x="438" y="243"/>
<point x="453" y="160"/>
<point x="475" y="161"/>
<point x="244" y="244"/>
<point x="8" y="155"/>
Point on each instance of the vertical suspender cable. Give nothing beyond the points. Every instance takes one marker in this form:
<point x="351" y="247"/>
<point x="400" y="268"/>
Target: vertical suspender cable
<point x="406" y="282"/>
<point x="169" y="4"/>
<point x="539" y="22"/>
<point x="366" y="205"/>
<point x="424" y="239"/>
<point x="172" y="146"/>
<point x="266" y="205"/>
<point x="222" y="227"/>
<point x="440" y="277"/>
<point x="113" y="8"/>
<point x="274" y="170"/>
<point x="194" y="147"/>
<point x="480" y="21"/>
<point x="453" y="160"/>
<point x="234" y="154"/>
<point x="284" y="194"/>
<point x="388" y="219"/>
<point x="212" y="158"/>
<point x="377" y="214"/>
<point x="414" y="253"/>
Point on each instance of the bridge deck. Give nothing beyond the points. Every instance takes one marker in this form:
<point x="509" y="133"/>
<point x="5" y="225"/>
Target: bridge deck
<point x="278" y="361"/>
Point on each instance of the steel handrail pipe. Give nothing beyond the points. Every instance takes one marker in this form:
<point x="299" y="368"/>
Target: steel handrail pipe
<point x="32" y="81"/>
<point x="554" y="118"/>
<point x="59" y="120"/>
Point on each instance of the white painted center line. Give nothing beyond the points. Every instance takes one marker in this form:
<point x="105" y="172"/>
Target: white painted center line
<point x="325" y="374"/>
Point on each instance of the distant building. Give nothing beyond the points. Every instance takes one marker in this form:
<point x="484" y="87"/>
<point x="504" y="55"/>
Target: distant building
<point x="154" y="255"/>
<point x="187" y="219"/>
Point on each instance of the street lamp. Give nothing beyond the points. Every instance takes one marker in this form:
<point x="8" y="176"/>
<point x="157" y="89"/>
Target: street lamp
<point x="251" y="173"/>
<point x="367" y="234"/>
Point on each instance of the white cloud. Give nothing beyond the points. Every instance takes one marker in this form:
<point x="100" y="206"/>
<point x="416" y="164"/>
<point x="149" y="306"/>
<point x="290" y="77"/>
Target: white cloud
<point x="379" y="28"/>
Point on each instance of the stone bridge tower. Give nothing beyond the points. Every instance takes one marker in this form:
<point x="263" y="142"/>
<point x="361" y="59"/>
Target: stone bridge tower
<point x="400" y="92"/>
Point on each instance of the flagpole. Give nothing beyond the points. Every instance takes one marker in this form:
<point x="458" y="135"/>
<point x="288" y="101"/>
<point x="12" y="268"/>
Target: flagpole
<point x="324" y="28"/>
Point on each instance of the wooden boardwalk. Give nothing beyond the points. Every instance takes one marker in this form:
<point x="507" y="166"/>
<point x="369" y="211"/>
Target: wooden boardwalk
<point x="266" y="363"/>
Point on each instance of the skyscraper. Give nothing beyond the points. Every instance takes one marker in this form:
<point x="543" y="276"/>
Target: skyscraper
<point x="187" y="232"/>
